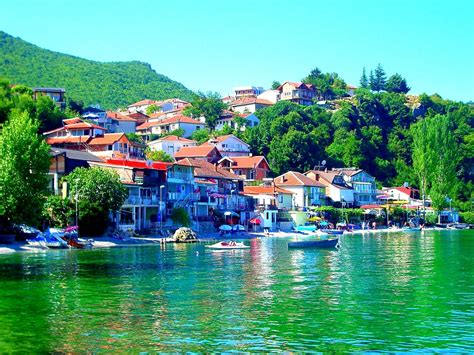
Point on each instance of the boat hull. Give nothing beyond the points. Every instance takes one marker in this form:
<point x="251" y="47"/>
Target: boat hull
<point x="228" y="246"/>
<point x="328" y="243"/>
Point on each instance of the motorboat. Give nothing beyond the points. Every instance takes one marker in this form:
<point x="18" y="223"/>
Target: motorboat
<point x="51" y="238"/>
<point x="331" y="231"/>
<point x="228" y="245"/>
<point x="325" y="243"/>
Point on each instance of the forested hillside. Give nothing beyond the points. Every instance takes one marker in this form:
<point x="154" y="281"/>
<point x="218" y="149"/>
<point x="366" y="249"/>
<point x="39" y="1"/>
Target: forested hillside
<point x="112" y="85"/>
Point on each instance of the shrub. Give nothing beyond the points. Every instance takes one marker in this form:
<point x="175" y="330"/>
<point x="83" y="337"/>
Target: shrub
<point x="180" y="216"/>
<point x="467" y="217"/>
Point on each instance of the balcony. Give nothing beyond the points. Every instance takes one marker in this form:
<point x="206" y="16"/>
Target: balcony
<point x="142" y="201"/>
<point x="180" y="176"/>
<point x="146" y="181"/>
<point x="178" y="196"/>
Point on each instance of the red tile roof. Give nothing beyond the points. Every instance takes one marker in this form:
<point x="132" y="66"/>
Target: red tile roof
<point x="144" y="102"/>
<point x="146" y="125"/>
<point x="107" y="139"/>
<point x="72" y="120"/>
<point x="84" y="125"/>
<point x="249" y="100"/>
<point x="265" y="190"/>
<point x="247" y="162"/>
<point x="194" y="152"/>
<point x="294" y="178"/>
<point x="66" y="140"/>
<point x="138" y="164"/>
<point x="296" y="85"/>
<point x="119" y="116"/>
<point x="204" y="169"/>
<point x="173" y="138"/>
<point x="179" y="119"/>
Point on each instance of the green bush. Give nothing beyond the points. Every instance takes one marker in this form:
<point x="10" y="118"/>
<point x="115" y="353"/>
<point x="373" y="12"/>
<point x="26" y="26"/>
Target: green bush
<point x="467" y="217"/>
<point x="59" y="211"/>
<point x="180" y="216"/>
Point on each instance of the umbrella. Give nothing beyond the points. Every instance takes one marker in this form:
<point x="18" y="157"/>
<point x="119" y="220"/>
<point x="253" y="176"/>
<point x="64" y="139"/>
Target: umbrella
<point x="314" y="219"/>
<point x="231" y="213"/>
<point x="255" y="221"/>
<point x="239" y="227"/>
<point x="225" y="227"/>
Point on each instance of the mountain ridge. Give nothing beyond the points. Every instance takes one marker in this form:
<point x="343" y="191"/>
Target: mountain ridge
<point x="110" y="84"/>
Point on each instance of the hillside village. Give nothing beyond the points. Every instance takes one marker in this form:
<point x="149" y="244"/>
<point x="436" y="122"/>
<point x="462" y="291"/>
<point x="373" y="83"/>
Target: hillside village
<point x="217" y="178"/>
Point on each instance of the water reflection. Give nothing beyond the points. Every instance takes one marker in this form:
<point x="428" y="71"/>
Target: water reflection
<point x="389" y="292"/>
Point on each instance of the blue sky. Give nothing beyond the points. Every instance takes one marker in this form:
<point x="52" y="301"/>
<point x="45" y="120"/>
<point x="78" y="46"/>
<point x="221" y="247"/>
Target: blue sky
<point x="216" y="45"/>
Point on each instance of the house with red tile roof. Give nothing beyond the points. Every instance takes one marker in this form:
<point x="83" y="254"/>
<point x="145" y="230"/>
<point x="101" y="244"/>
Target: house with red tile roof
<point x="171" y="144"/>
<point x="307" y="192"/>
<point x="248" y="104"/>
<point x="297" y="92"/>
<point x="218" y="187"/>
<point x="207" y="153"/>
<point x="146" y="200"/>
<point x="229" y="145"/>
<point x="248" y="167"/>
<point x="402" y="193"/>
<point x="270" y="196"/>
<point x="170" y="124"/>
<point x="141" y="106"/>
<point x="79" y="135"/>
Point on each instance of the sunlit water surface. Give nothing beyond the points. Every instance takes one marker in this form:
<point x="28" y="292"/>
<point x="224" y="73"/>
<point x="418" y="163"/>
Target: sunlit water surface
<point x="397" y="292"/>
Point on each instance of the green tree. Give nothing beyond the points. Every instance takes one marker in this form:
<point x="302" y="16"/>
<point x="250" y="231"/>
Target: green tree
<point x="159" y="155"/>
<point x="397" y="84"/>
<point x="201" y="135"/>
<point x="275" y="85"/>
<point x="97" y="185"/>
<point x="179" y="132"/>
<point x="208" y="105"/>
<point x="180" y="216"/>
<point x="379" y="79"/>
<point x="152" y="109"/>
<point x="364" y="82"/>
<point x="24" y="164"/>
<point x="59" y="211"/>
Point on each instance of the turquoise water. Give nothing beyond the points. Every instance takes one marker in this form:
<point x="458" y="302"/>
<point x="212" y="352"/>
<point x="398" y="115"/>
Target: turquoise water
<point x="397" y="292"/>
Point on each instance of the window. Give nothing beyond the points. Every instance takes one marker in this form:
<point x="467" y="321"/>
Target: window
<point x="109" y="147"/>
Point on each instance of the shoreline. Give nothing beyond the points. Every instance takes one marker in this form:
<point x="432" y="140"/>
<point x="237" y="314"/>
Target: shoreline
<point x="110" y="242"/>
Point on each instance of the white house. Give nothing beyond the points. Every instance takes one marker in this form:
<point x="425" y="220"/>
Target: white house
<point x="365" y="191"/>
<point x="249" y="104"/>
<point x="243" y="91"/>
<point x="299" y="92"/>
<point x="307" y="192"/>
<point x="171" y="144"/>
<point x="230" y="146"/>
<point x="228" y="118"/>
<point x="141" y="106"/>
<point x="167" y="125"/>
<point x="272" y="96"/>
<point x="402" y="193"/>
<point x="336" y="187"/>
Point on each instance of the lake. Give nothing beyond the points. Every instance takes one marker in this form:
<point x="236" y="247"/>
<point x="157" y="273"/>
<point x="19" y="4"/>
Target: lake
<point x="393" y="292"/>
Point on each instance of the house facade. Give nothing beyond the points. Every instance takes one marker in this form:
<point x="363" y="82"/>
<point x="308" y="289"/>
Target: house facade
<point x="306" y="192"/>
<point x="363" y="184"/>
<point x="167" y="125"/>
<point x="337" y="190"/>
<point x="141" y="106"/>
<point x="56" y="94"/>
<point x="145" y="206"/>
<point x="249" y="104"/>
<point x="249" y="168"/>
<point x="171" y="144"/>
<point x="229" y="146"/>
<point x="181" y="190"/>
<point x="228" y="118"/>
<point x="207" y="153"/>
<point x="272" y="96"/>
<point x="298" y="92"/>
<point x="246" y="91"/>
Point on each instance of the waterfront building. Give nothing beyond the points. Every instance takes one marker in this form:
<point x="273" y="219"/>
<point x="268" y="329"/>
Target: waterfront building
<point x="181" y="188"/>
<point x="307" y="192"/>
<point x="337" y="189"/>
<point x="362" y="183"/>
<point x="145" y="206"/>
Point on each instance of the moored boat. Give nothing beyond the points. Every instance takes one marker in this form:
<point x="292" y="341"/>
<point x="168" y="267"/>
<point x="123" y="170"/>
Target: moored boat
<point x="326" y="243"/>
<point x="332" y="231"/>
<point x="228" y="246"/>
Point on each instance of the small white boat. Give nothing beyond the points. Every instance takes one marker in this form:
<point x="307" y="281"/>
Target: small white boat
<point x="228" y="245"/>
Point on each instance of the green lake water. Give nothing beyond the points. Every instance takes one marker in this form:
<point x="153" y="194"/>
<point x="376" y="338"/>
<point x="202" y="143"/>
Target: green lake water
<point x="394" y="292"/>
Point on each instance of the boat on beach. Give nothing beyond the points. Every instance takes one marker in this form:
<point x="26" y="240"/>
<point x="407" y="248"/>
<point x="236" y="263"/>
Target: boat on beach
<point x="228" y="245"/>
<point x="325" y="243"/>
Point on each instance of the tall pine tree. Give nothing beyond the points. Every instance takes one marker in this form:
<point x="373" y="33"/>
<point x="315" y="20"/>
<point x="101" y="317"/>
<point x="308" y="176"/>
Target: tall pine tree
<point x="372" y="83"/>
<point x="379" y="78"/>
<point x="364" y="82"/>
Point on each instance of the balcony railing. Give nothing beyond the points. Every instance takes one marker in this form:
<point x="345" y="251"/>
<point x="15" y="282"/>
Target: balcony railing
<point x="180" y="175"/>
<point x="147" y="201"/>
